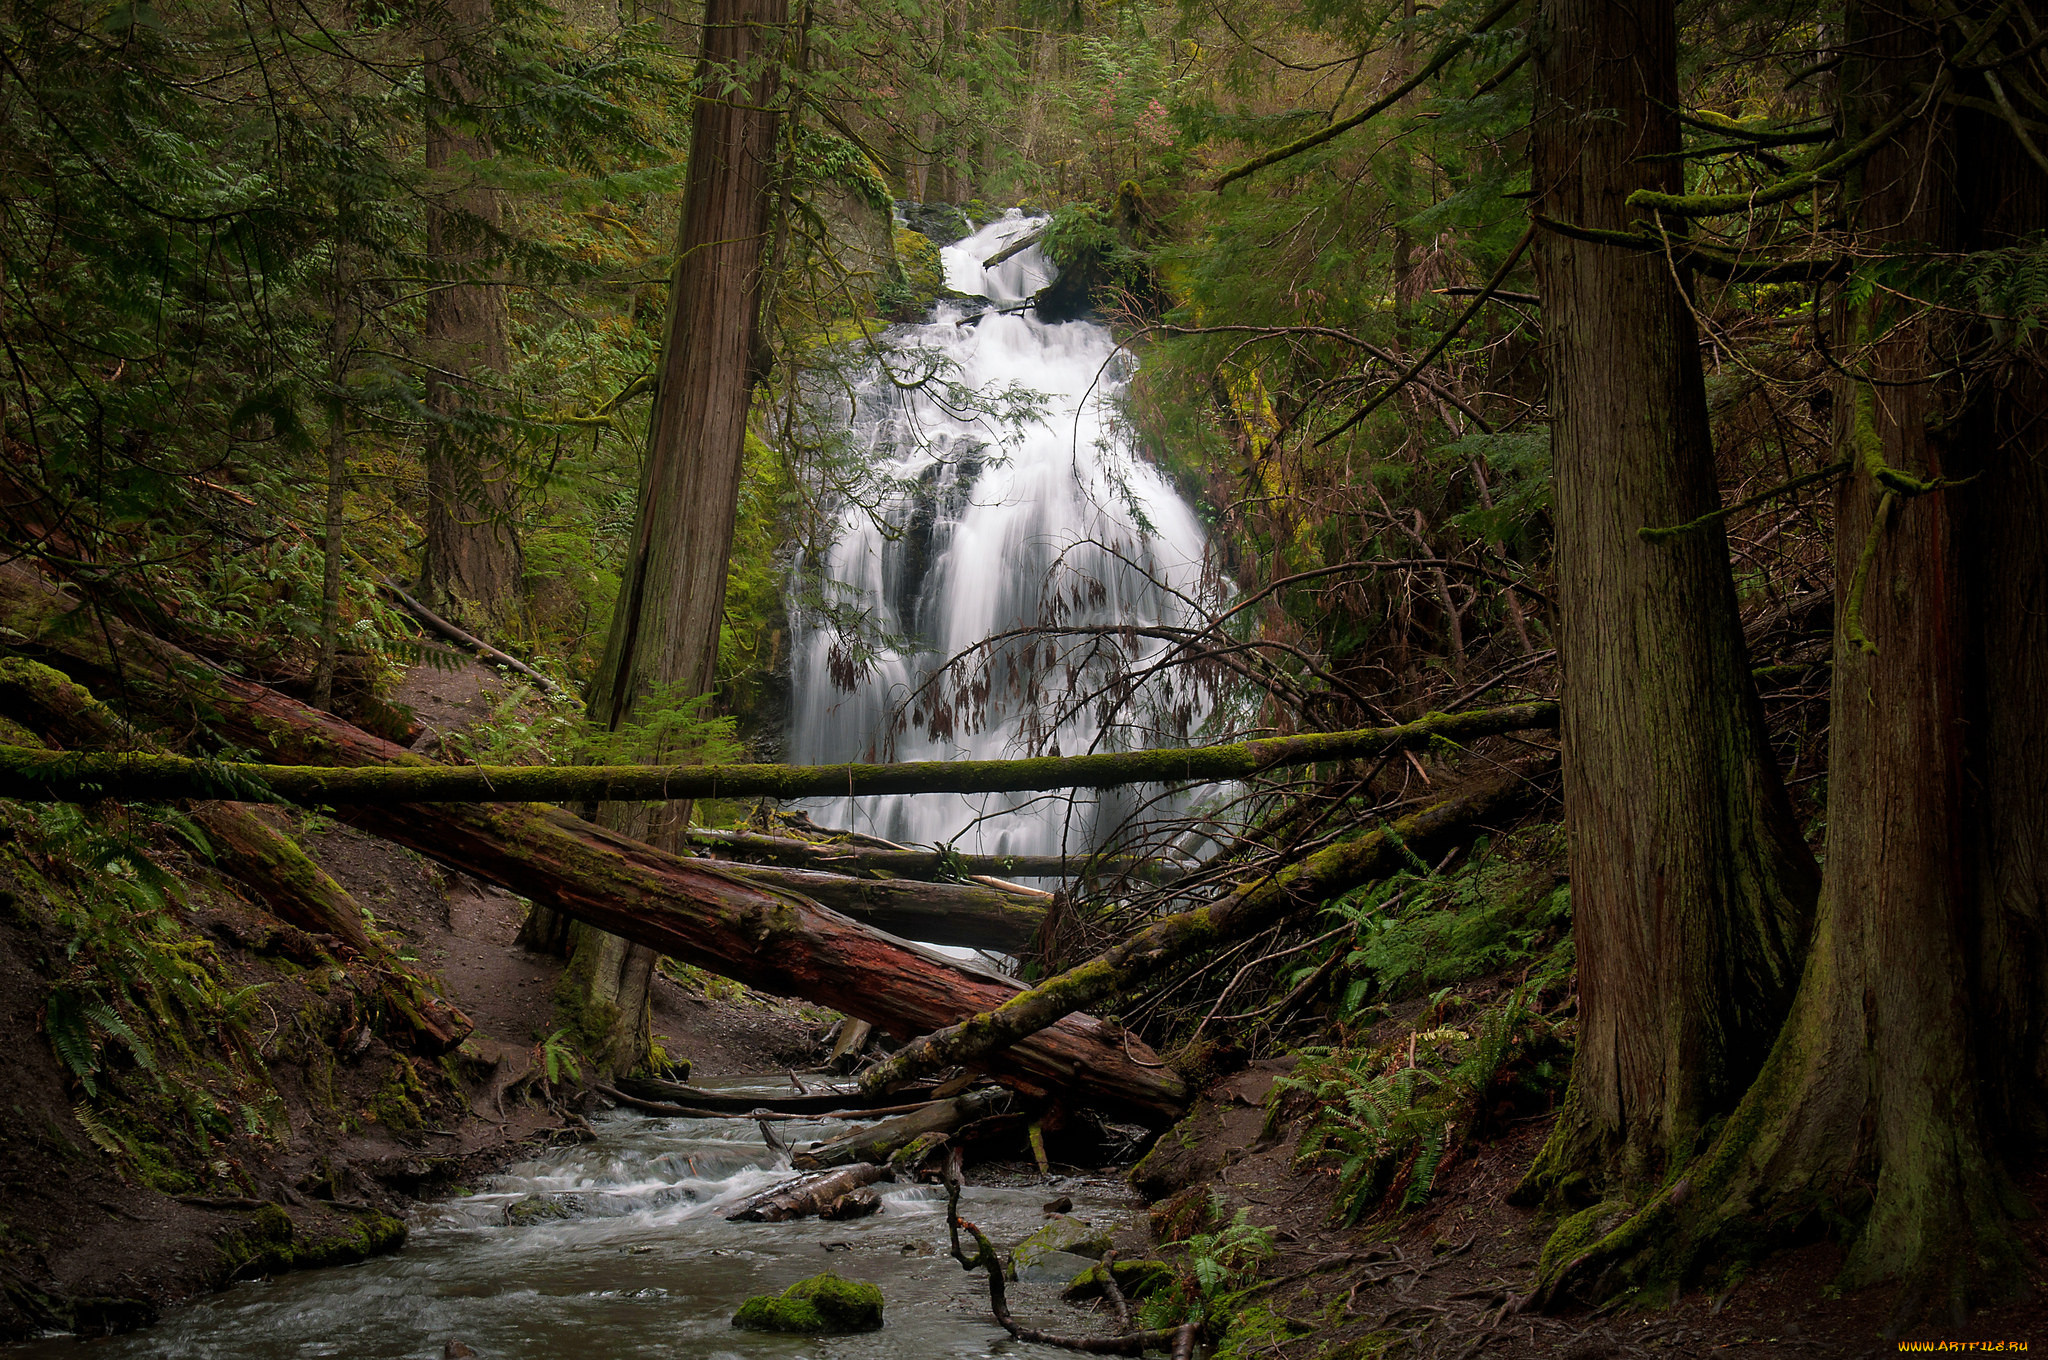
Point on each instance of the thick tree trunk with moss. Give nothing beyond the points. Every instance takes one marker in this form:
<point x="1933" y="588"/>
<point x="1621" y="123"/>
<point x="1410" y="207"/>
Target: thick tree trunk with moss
<point x="1913" y="1057"/>
<point x="663" y="647"/>
<point x="1691" y="888"/>
<point x="470" y="566"/>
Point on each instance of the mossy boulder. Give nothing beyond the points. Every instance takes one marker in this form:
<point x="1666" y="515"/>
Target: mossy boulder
<point x="1063" y="1235"/>
<point x="544" y="1209"/>
<point x="824" y="1305"/>
<point x="1136" y="1279"/>
<point x="271" y="1244"/>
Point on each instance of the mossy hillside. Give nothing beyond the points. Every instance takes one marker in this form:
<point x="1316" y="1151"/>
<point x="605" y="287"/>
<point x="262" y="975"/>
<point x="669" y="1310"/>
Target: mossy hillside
<point x="824" y="1305"/>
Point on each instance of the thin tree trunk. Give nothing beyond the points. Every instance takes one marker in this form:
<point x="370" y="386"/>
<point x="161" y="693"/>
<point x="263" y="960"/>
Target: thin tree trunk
<point x="331" y="545"/>
<point x="1691" y="887"/>
<point x="663" y="647"/>
<point x="471" y="563"/>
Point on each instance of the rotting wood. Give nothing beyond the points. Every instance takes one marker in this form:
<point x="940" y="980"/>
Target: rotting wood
<point x="835" y="1102"/>
<point x="1251" y="908"/>
<point x="846" y="1050"/>
<point x="773" y="940"/>
<point x="843" y="857"/>
<point x="879" y="1142"/>
<point x="806" y="1195"/>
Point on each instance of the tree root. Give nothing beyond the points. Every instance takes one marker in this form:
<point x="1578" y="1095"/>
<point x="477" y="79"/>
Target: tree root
<point x="1180" y="1340"/>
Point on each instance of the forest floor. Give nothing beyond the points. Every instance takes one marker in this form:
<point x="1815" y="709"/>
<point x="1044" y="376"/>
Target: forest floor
<point x="1440" y="1283"/>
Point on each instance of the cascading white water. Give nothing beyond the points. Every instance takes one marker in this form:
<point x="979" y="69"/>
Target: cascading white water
<point x="1005" y="529"/>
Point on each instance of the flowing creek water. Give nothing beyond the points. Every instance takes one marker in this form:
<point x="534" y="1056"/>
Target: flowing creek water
<point x="642" y="1263"/>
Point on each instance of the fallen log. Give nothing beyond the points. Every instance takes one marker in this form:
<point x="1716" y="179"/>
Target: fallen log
<point x="765" y="937"/>
<point x="1252" y="908"/>
<point x="262" y="860"/>
<point x="879" y="1142"/>
<point x="805" y="1196"/>
<point x="967" y="915"/>
<point x="32" y="776"/>
<point x="834" y="1102"/>
<point x="929" y="865"/>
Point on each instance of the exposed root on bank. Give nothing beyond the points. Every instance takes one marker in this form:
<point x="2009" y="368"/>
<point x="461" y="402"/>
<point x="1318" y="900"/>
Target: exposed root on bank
<point x="1179" y="1340"/>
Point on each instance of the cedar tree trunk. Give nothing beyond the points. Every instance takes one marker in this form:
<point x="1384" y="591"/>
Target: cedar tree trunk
<point x="664" y="638"/>
<point x="1691" y="888"/>
<point x="471" y="564"/>
<point x="1908" y="1076"/>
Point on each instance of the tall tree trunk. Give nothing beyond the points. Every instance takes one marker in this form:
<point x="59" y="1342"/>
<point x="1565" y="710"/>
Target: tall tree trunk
<point x="1913" y="1054"/>
<point x="1691" y="888"/>
<point x="663" y="647"/>
<point x="471" y="563"/>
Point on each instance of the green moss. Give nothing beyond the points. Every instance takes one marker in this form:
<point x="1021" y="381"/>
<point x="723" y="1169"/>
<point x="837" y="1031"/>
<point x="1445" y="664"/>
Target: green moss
<point x="1575" y="1235"/>
<point x="923" y="271"/>
<point x="822" y="1305"/>
<point x="1137" y="1280"/>
<point x="1258" y="1331"/>
<point x="270" y="1245"/>
<point x="397" y="1104"/>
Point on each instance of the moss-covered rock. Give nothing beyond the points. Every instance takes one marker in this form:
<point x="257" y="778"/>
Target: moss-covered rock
<point x="1063" y="1233"/>
<point x="271" y="1244"/>
<point x="1135" y="1278"/>
<point x="824" y="1305"/>
<point x="544" y="1209"/>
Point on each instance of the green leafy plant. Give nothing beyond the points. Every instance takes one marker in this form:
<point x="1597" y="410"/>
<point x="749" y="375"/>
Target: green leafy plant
<point x="1216" y="1265"/>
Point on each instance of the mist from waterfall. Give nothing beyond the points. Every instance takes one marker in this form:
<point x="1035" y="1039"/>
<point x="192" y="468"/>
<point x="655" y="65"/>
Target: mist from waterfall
<point x="995" y="529"/>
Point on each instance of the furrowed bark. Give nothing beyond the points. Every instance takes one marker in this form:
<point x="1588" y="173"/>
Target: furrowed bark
<point x="27" y="776"/>
<point x="1692" y="889"/>
<point x="774" y="941"/>
<point x="1297" y="888"/>
<point x="256" y="855"/>
<point x="879" y="1142"/>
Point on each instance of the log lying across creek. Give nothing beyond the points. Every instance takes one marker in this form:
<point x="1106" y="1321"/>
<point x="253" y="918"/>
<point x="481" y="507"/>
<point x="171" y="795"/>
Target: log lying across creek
<point x="880" y="1142"/>
<point x="738" y="926"/>
<point x="806" y="1195"/>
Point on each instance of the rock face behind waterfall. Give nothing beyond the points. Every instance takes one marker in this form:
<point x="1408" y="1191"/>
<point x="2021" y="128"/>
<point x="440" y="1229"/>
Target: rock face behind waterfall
<point x="996" y="528"/>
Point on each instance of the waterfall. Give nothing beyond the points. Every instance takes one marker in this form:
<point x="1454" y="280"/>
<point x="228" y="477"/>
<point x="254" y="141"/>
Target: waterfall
<point x="995" y="528"/>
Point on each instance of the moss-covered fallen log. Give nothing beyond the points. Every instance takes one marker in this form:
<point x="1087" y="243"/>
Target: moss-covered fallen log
<point x="967" y="915"/>
<point x="879" y="1142"/>
<point x="929" y="865"/>
<point x="768" y="938"/>
<point x="1252" y="908"/>
<point x="264" y="862"/>
<point x="38" y="775"/>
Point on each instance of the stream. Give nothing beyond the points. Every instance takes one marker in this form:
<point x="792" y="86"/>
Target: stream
<point x="641" y="1263"/>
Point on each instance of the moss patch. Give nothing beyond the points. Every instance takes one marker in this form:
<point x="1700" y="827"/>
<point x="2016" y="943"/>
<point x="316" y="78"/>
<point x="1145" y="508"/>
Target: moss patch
<point x="271" y="1245"/>
<point x="824" y="1305"/>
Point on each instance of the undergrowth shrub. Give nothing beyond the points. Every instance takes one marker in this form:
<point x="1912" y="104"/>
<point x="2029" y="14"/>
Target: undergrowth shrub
<point x="1395" y="1115"/>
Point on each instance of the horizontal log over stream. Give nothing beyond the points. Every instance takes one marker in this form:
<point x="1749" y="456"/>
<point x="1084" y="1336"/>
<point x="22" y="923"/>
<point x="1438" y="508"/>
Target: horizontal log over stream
<point x="768" y="938"/>
<point x="844" y="857"/>
<point x="31" y="775"/>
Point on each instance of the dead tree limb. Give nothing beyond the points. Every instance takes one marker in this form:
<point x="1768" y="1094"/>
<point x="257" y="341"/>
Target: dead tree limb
<point x="806" y="1195"/>
<point x="880" y="1142"/>
<point x="843" y="858"/>
<point x="1299" y="887"/>
<point x="985" y="1257"/>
